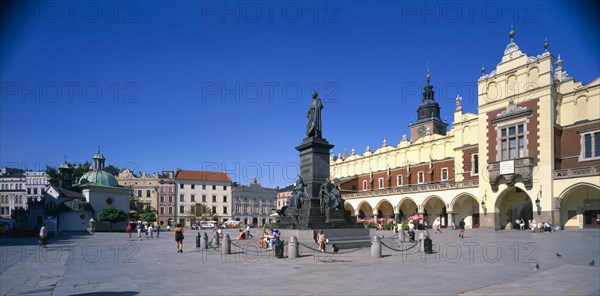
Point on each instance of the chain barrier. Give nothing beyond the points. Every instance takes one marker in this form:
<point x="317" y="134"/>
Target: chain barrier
<point x="333" y="253"/>
<point x="399" y="250"/>
<point x="248" y="250"/>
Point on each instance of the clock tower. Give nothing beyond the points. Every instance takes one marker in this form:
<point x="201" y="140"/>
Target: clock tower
<point x="428" y="120"/>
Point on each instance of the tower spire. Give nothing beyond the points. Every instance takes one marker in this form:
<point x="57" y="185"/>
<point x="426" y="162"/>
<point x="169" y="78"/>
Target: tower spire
<point x="511" y="34"/>
<point x="428" y="76"/>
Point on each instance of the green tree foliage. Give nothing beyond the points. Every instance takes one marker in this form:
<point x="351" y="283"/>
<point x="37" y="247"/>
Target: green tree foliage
<point x="78" y="171"/>
<point x="112" y="170"/>
<point x="112" y="215"/>
<point x="148" y="217"/>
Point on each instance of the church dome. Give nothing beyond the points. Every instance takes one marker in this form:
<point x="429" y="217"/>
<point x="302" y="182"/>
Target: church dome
<point x="99" y="177"/>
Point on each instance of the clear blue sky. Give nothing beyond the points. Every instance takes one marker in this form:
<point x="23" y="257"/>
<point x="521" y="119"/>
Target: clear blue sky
<point x="206" y="85"/>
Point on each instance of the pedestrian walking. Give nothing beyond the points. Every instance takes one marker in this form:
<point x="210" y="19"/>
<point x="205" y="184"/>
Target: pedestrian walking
<point x="139" y="229"/>
<point x="43" y="235"/>
<point x="248" y="235"/>
<point x="158" y="231"/>
<point x="461" y="225"/>
<point x="151" y="231"/>
<point x="129" y="229"/>
<point x="179" y="238"/>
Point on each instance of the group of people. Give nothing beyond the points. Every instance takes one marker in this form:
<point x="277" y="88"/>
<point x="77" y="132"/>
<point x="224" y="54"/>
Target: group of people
<point x="147" y="229"/>
<point x="266" y="239"/>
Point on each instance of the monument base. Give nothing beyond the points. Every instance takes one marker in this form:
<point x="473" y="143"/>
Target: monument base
<point x="343" y="238"/>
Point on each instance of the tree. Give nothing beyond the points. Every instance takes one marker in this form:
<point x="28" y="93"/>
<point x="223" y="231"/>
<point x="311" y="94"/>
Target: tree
<point x="112" y="170"/>
<point x="112" y="215"/>
<point x="78" y="171"/>
<point x="148" y="217"/>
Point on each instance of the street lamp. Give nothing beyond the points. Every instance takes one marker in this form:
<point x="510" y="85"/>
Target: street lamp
<point x="537" y="201"/>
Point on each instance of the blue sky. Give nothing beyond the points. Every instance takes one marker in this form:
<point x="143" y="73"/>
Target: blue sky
<point x="217" y="85"/>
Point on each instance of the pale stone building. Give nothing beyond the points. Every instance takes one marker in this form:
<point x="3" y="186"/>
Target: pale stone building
<point x="531" y="152"/>
<point x="211" y="189"/>
<point x="13" y="194"/>
<point x="35" y="183"/>
<point x="143" y="186"/>
<point x="253" y="203"/>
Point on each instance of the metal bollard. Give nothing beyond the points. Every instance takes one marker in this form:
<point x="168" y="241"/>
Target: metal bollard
<point x="226" y="247"/>
<point x="401" y="236"/>
<point x="376" y="247"/>
<point x="422" y="236"/>
<point x="204" y="241"/>
<point x="293" y="248"/>
<point x="198" y="240"/>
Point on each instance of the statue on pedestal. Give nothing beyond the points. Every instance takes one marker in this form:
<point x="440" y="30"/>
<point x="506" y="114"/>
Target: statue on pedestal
<point x="298" y="195"/>
<point x="314" y="126"/>
<point x="330" y="196"/>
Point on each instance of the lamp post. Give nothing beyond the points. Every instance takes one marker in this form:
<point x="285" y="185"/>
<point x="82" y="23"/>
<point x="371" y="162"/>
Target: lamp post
<point x="537" y="202"/>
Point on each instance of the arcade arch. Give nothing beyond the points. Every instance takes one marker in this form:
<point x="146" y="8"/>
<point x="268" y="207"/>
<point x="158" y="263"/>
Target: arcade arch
<point x="465" y="206"/>
<point x="512" y="204"/>
<point x="580" y="206"/>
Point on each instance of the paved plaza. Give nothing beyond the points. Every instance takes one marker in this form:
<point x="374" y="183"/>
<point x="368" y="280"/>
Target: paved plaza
<point x="484" y="262"/>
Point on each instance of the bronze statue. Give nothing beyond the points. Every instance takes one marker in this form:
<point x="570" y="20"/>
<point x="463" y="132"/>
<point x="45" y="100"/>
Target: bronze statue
<point x="330" y="196"/>
<point x="314" y="127"/>
<point x="335" y="201"/>
<point x="298" y="195"/>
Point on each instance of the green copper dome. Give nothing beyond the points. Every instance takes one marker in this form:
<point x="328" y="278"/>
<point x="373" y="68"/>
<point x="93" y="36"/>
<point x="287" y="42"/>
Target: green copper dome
<point x="99" y="177"/>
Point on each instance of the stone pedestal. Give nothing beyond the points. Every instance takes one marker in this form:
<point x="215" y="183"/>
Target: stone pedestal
<point x="314" y="170"/>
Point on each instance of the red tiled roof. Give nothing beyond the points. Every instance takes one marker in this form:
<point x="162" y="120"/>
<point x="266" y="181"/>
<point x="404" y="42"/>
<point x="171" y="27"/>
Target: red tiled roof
<point x="202" y="176"/>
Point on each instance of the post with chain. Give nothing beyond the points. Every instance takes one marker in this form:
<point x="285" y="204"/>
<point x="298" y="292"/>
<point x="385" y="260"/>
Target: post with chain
<point x="204" y="241"/>
<point x="293" y="248"/>
<point x="226" y="246"/>
<point x="376" y="247"/>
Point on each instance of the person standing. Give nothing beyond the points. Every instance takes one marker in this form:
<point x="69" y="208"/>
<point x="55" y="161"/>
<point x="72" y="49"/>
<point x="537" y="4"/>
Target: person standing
<point x="43" y="235"/>
<point x="321" y="240"/>
<point x="179" y="238"/>
<point x="151" y="231"/>
<point x="461" y="225"/>
<point x="139" y="229"/>
<point x="158" y="231"/>
<point x="129" y="229"/>
<point x="248" y="235"/>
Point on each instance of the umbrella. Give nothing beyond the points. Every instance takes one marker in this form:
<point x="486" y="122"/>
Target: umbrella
<point x="416" y="217"/>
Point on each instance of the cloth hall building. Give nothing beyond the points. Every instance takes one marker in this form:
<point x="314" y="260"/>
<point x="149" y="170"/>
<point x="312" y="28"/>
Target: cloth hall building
<point x="531" y="152"/>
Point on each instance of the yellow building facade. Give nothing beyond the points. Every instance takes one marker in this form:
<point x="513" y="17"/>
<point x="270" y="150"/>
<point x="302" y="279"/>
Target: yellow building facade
<point x="531" y="152"/>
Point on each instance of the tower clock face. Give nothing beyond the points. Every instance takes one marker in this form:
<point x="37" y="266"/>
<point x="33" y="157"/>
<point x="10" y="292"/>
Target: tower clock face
<point x="421" y="130"/>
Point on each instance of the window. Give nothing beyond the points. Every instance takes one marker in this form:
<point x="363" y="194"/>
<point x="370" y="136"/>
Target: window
<point x="170" y="189"/>
<point x="238" y="208"/>
<point x="162" y="199"/>
<point x="512" y="142"/>
<point x="162" y="189"/>
<point x="214" y="198"/>
<point x="193" y="186"/>
<point x="139" y="193"/>
<point x="180" y="186"/>
<point x="399" y="180"/>
<point x="246" y="209"/>
<point x="170" y="210"/>
<point x="365" y="187"/>
<point x="590" y="142"/>
<point x="193" y="198"/>
<point x="203" y="187"/>
<point x="162" y="210"/>
<point x="147" y="193"/>
<point x="420" y="178"/>
<point x="224" y="210"/>
<point x="203" y="198"/>
<point x="444" y="175"/>
<point x="28" y="190"/>
<point x="224" y="187"/>
<point x="181" y="209"/>
<point x="214" y="210"/>
<point x="214" y="187"/>
<point x="170" y="198"/>
<point x="474" y="164"/>
<point x="381" y="183"/>
<point x="224" y="198"/>
<point x="181" y="197"/>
